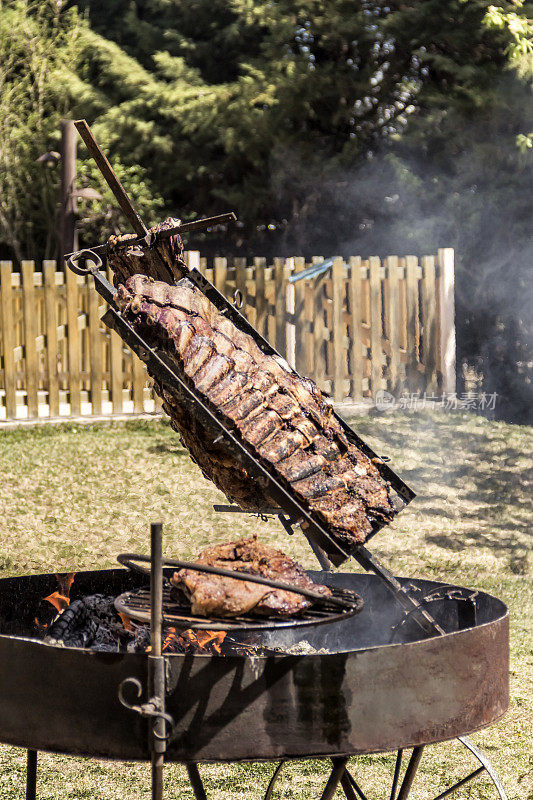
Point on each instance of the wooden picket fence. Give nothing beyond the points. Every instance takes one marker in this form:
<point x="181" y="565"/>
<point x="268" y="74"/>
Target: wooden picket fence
<point x="364" y="326"/>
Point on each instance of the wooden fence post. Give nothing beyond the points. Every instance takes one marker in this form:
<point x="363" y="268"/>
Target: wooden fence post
<point x="280" y="305"/>
<point x="50" y="304"/>
<point x="115" y="365"/>
<point x="8" y="329"/>
<point x="355" y="354"/>
<point x="73" y="342"/>
<point x="220" y="270"/>
<point x="309" y="323"/>
<point x="318" y="327"/>
<point x="337" y="280"/>
<point x="411" y="301"/>
<point x="31" y="365"/>
<point x="260" y="296"/>
<point x="393" y="302"/>
<point x="446" y="287"/>
<point x="290" y="309"/>
<point x="429" y="323"/>
<point x="192" y="258"/>
<point x="299" y="331"/>
<point x="240" y="283"/>
<point x="95" y="347"/>
<point x="374" y="269"/>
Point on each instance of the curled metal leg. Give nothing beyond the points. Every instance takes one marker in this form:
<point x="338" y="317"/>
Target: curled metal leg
<point x="414" y="762"/>
<point x="485" y="765"/>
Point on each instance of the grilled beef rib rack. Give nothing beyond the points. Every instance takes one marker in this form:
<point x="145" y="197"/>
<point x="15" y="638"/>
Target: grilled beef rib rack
<point x="159" y="251"/>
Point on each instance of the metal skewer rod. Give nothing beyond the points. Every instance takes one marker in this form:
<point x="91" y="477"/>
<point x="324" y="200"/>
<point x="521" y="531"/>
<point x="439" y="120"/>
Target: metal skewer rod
<point x="166" y="233"/>
<point x="110" y="177"/>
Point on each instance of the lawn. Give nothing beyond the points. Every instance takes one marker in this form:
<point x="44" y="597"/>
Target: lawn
<point x="73" y="497"/>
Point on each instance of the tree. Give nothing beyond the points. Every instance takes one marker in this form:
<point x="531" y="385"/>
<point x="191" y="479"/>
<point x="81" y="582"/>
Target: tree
<point x="42" y="79"/>
<point x="36" y="43"/>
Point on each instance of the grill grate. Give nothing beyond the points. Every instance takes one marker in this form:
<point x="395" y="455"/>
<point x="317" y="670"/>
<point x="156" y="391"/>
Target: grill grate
<point x="136" y="604"/>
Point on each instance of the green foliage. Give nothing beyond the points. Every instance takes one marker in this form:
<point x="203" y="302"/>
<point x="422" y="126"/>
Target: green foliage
<point x="328" y="125"/>
<point x="37" y="42"/>
<point x="49" y="62"/>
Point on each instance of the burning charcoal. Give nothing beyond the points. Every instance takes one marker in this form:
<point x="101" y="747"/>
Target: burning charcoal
<point x="74" y="627"/>
<point x="284" y="418"/>
<point x="140" y="641"/>
<point x="89" y="622"/>
<point x="214" y="595"/>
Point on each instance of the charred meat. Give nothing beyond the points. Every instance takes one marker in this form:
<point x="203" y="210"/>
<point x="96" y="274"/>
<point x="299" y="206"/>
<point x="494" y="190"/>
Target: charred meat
<point x="218" y="596"/>
<point x="283" y="417"/>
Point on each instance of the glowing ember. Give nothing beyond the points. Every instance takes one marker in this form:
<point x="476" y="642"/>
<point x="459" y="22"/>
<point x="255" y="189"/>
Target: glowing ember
<point x="126" y="621"/>
<point x="208" y="642"/>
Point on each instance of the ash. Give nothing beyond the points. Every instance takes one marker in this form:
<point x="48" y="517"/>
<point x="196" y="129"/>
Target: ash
<point x="302" y="648"/>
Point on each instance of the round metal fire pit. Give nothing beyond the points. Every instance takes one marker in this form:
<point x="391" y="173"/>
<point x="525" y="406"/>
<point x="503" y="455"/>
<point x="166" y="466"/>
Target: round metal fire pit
<point x="375" y="690"/>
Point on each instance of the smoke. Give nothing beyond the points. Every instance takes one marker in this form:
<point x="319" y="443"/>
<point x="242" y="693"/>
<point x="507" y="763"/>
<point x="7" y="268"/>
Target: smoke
<point x="466" y="186"/>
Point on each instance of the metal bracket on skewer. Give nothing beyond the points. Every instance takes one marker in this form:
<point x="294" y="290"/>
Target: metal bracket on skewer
<point x="150" y="240"/>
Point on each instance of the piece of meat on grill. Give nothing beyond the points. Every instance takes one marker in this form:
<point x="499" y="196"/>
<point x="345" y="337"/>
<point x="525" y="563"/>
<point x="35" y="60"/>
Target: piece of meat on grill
<point x="218" y="596"/>
<point x="282" y="417"/>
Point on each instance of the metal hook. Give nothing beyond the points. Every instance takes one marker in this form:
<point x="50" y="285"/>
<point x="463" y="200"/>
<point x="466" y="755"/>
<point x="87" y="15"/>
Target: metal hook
<point x="135" y="682"/>
<point x="238" y="299"/>
<point x="84" y="256"/>
<point x="149" y="709"/>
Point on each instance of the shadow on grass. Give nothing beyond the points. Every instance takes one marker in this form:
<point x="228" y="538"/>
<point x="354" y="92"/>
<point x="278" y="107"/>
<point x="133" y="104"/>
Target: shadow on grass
<point x="172" y="448"/>
<point x="475" y="478"/>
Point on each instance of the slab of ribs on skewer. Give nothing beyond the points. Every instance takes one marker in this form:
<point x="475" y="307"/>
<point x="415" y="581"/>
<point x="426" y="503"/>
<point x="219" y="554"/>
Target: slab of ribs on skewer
<point x="282" y="416"/>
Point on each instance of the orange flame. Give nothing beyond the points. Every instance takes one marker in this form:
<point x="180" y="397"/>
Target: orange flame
<point x="126" y="621"/>
<point x="59" y="601"/>
<point x="65" y="581"/>
<point x="198" y="641"/>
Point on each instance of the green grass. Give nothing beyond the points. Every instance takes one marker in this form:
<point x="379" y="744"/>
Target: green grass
<point x="73" y="497"/>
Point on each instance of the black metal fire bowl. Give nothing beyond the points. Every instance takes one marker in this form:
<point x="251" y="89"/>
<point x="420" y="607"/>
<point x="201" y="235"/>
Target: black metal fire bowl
<point x="371" y="694"/>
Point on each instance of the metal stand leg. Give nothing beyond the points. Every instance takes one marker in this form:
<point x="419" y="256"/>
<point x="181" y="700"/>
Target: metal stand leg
<point x="196" y="782"/>
<point x="155" y="659"/>
<point x="31" y="775"/>
<point x="339" y="765"/>
<point x="158" y="761"/>
<point x="396" y="778"/>
<point x="351" y="788"/>
<point x="410" y="772"/>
